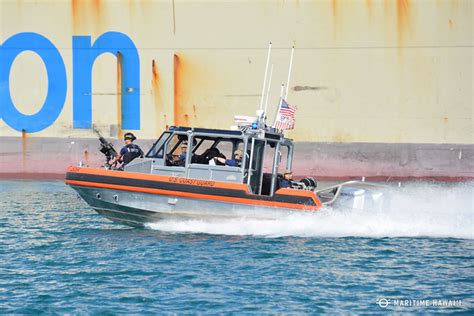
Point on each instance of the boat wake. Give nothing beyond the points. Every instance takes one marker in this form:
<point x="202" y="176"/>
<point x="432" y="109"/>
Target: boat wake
<point x="415" y="210"/>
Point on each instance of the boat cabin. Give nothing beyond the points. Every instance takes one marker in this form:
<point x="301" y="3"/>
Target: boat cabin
<point x="190" y="153"/>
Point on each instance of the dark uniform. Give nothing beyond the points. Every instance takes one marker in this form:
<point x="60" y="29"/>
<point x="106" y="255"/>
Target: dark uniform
<point x="237" y="161"/>
<point x="130" y="151"/>
<point x="285" y="182"/>
<point x="233" y="162"/>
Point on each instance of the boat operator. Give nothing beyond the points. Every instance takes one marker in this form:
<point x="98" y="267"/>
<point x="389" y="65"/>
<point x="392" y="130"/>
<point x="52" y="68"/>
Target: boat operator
<point x="128" y="152"/>
<point x="287" y="180"/>
<point x="236" y="162"/>
<point x="181" y="159"/>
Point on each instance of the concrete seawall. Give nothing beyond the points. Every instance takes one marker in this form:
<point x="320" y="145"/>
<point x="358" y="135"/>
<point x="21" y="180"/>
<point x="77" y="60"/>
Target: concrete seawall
<point x="48" y="158"/>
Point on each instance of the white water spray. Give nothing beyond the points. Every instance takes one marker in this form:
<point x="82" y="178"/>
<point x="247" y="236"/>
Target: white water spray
<point x="416" y="210"/>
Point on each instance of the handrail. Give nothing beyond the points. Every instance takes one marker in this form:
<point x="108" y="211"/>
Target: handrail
<point x="339" y="186"/>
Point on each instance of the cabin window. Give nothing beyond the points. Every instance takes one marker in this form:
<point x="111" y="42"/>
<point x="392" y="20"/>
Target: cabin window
<point x="283" y="159"/>
<point x="256" y="163"/>
<point x="206" y="148"/>
<point x="157" y="150"/>
<point x="245" y="155"/>
<point x="176" y="150"/>
<point x="203" y="146"/>
<point x="268" y="160"/>
<point x="225" y="148"/>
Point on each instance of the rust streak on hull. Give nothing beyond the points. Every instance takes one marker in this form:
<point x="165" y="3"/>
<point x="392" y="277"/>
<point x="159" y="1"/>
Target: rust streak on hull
<point x="334" y="18"/>
<point x="86" y="157"/>
<point x="403" y="20"/>
<point x="369" y="8"/>
<point x="82" y="11"/>
<point x="74" y="13"/>
<point x="156" y="93"/>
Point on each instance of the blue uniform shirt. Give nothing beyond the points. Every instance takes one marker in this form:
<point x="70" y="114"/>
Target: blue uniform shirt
<point x="130" y="152"/>
<point x="232" y="162"/>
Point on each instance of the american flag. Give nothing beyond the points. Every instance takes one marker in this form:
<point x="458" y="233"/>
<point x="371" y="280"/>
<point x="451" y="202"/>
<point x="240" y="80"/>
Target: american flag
<point x="285" y="118"/>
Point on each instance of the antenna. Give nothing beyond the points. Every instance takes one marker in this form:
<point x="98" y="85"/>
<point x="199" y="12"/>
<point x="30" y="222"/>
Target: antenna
<point x="268" y="92"/>
<point x="265" y="78"/>
<point x="289" y="71"/>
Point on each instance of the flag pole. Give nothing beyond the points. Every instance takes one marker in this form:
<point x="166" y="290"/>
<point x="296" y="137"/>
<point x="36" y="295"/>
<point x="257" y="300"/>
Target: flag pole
<point x="281" y="92"/>
<point x="268" y="92"/>
<point x="265" y="78"/>
<point x="279" y="104"/>
<point x="289" y="72"/>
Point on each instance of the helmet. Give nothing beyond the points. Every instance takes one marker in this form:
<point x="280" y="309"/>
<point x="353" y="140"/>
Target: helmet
<point x="129" y="136"/>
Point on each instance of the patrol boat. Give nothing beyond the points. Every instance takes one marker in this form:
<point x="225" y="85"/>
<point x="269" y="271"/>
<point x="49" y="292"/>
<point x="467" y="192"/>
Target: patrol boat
<point x="159" y="186"/>
<point x="198" y="183"/>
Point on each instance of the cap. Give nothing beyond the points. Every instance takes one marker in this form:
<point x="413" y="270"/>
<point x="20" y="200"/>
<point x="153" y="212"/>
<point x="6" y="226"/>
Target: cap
<point x="129" y="136"/>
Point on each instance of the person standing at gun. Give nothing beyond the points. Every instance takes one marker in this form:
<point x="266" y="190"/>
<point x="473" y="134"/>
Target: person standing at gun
<point x="128" y="152"/>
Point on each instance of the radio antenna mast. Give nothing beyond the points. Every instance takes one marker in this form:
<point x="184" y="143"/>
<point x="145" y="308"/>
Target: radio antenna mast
<point x="289" y="72"/>
<point x="265" y="78"/>
<point x="268" y="92"/>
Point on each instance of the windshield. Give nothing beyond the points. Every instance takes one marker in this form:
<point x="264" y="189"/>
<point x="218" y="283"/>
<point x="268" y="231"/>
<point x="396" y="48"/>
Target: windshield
<point x="157" y="150"/>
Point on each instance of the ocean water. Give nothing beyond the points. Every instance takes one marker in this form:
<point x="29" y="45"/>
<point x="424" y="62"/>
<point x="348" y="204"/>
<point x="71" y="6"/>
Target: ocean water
<point x="416" y="256"/>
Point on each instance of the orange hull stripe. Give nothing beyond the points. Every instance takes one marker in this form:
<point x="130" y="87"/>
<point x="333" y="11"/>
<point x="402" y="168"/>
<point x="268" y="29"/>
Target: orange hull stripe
<point x="193" y="195"/>
<point x="153" y="177"/>
<point x="217" y="184"/>
<point x="303" y="193"/>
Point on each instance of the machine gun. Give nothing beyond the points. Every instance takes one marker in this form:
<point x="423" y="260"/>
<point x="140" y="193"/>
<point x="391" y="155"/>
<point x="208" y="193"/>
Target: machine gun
<point x="107" y="149"/>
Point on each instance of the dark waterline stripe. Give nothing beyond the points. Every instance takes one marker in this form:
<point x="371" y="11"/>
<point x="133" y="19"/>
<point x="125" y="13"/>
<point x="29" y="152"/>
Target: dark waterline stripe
<point x="188" y="189"/>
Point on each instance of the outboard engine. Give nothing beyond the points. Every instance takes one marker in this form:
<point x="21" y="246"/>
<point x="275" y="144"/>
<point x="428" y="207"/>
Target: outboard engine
<point x="360" y="198"/>
<point x="309" y="183"/>
<point x="355" y="195"/>
<point x="304" y="184"/>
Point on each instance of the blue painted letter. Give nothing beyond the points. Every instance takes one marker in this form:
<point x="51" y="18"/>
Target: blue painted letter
<point x="57" y="82"/>
<point x="83" y="60"/>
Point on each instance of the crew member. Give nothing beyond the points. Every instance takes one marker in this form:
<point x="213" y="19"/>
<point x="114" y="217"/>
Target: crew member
<point x="128" y="152"/>
<point x="232" y="162"/>
<point x="287" y="180"/>
<point x="181" y="159"/>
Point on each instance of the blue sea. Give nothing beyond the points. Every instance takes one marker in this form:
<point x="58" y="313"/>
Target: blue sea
<point x="416" y="257"/>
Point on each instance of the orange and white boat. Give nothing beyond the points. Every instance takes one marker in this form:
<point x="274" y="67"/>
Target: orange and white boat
<point x="159" y="186"/>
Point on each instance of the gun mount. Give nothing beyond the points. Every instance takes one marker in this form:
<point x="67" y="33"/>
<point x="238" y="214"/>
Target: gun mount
<point x="107" y="149"/>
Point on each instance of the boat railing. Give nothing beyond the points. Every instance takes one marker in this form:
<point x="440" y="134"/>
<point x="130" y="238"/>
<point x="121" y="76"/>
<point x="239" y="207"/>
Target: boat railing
<point x="332" y="192"/>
